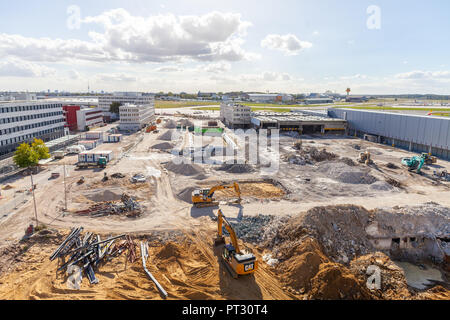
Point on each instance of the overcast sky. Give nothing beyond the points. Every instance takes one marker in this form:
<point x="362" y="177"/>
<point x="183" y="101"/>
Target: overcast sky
<point x="374" y="47"/>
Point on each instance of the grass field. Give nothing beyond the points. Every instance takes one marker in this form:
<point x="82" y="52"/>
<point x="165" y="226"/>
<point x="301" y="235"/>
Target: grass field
<point x="183" y="104"/>
<point x="277" y="109"/>
<point x="398" y="108"/>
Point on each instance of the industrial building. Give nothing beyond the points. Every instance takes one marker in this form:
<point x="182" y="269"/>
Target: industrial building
<point x="411" y="132"/>
<point x="23" y="121"/>
<point x="270" y="97"/>
<point x="135" y="117"/>
<point x="78" y="118"/>
<point x="235" y="115"/>
<point x="136" y="98"/>
<point x="298" y="121"/>
<point x="319" y="101"/>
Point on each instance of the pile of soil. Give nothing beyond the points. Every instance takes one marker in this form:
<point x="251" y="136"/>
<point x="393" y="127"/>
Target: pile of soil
<point x="257" y="190"/>
<point x="185" y="169"/>
<point x="348" y="161"/>
<point x="186" y="194"/>
<point x="163" y="146"/>
<point x="318" y="155"/>
<point x="346" y="174"/>
<point x="334" y="281"/>
<point x="8" y="187"/>
<point x="391" y="165"/>
<point x="237" y="168"/>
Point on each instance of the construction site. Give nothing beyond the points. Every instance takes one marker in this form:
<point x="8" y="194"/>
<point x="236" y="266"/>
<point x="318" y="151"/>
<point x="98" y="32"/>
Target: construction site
<point x="162" y="214"/>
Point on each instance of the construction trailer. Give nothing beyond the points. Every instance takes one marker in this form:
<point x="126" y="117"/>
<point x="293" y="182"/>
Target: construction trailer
<point x="94" y="135"/>
<point x="89" y="144"/>
<point x="94" y="156"/>
<point x="113" y="138"/>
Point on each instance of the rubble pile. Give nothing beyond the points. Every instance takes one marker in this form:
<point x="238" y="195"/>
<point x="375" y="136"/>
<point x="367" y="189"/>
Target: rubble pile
<point x="129" y="207"/>
<point x="308" y="155"/>
<point x="344" y="173"/>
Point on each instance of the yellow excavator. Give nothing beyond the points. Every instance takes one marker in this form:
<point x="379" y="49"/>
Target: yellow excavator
<point x="202" y="198"/>
<point x="236" y="262"/>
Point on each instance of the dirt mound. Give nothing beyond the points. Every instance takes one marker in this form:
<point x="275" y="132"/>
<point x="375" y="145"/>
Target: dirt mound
<point x="186" y="123"/>
<point x="169" y="250"/>
<point x="381" y="186"/>
<point x="170" y="124"/>
<point x="300" y="263"/>
<point x="348" y="161"/>
<point x="237" y="168"/>
<point x="346" y="174"/>
<point x="163" y="146"/>
<point x="258" y="190"/>
<point x="185" y="169"/>
<point x="8" y="187"/>
<point x="391" y="165"/>
<point x="104" y="195"/>
<point x="318" y="155"/>
<point x="167" y="136"/>
<point x="334" y="281"/>
<point x="186" y="194"/>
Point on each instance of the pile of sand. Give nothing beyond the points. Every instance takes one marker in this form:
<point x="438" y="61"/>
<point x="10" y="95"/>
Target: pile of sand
<point x="163" y="146"/>
<point x="237" y="168"/>
<point x="346" y="174"/>
<point x="185" y="169"/>
<point x="334" y="282"/>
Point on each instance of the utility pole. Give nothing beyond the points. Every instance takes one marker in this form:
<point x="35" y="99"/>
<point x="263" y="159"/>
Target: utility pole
<point x="65" y="189"/>
<point x="34" y="199"/>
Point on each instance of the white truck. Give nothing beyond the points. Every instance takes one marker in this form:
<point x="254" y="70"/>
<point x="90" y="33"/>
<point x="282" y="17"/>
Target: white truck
<point x="76" y="149"/>
<point x="59" y="154"/>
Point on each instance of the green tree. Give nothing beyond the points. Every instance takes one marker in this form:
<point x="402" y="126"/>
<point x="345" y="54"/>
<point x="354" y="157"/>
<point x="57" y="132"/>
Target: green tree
<point x="41" y="149"/>
<point x="29" y="155"/>
<point x="26" y="156"/>
<point x="115" y="107"/>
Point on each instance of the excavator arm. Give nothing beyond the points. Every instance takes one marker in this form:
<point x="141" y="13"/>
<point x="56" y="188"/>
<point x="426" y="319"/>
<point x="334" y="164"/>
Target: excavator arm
<point x="223" y="221"/>
<point x="235" y="186"/>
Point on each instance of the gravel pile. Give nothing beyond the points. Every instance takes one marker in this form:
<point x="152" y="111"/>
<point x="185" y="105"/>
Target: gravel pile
<point x="163" y="146"/>
<point x="237" y="168"/>
<point x="346" y="174"/>
<point x="167" y="136"/>
<point x="170" y="124"/>
<point x="185" y="169"/>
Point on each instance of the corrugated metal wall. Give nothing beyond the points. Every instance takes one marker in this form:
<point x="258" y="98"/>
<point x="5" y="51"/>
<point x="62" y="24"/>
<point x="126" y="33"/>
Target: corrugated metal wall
<point x="422" y="131"/>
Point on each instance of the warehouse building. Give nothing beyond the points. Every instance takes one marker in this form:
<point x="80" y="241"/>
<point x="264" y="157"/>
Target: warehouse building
<point x="23" y="121"/>
<point x="135" y="117"/>
<point x="235" y="115"/>
<point x="136" y="98"/>
<point x="410" y="132"/>
<point x="303" y="123"/>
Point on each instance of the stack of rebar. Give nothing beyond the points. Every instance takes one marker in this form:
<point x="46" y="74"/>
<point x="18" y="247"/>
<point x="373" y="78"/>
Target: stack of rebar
<point x="88" y="251"/>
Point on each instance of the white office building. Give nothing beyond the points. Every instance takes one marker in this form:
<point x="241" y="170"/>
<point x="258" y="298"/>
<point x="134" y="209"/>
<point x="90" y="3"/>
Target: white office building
<point x="235" y="115"/>
<point x="135" y="117"/>
<point x="136" y="98"/>
<point x="23" y="121"/>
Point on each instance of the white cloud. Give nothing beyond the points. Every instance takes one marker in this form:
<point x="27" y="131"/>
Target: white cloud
<point x="289" y="43"/>
<point x="316" y="33"/>
<point x="354" y="77"/>
<point x="115" y="77"/>
<point x="169" y="69"/>
<point x="218" y="67"/>
<point x="214" y="36"/>
<point x="73" y="74"/>
<point x="18" y="68"/>
<point x="417" y="74"/>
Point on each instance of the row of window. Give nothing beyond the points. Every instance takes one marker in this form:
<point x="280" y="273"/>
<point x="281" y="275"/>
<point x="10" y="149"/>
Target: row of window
<point x="30" y="117"/>
<point x="29" y="126"/>
<point x="29" y="108"/>
<point x="27" y="137"/>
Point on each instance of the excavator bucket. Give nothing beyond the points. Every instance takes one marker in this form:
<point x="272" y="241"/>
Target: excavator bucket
<point x="218" y="242"/>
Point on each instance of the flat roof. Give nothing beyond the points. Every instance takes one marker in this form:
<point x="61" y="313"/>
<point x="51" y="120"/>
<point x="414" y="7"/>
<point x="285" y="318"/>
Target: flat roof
<point x="292" y="117"/>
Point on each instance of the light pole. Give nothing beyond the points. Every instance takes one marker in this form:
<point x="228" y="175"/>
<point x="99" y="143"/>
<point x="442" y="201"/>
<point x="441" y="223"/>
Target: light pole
<point x="34" y="199"/>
